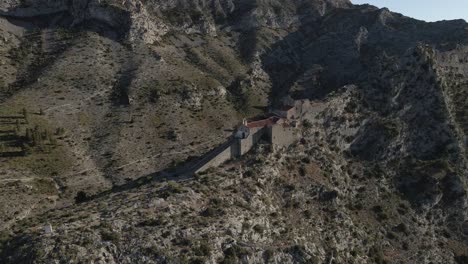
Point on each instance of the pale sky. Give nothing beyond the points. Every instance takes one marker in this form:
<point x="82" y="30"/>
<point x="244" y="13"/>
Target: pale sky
<point x="428" y="10"/>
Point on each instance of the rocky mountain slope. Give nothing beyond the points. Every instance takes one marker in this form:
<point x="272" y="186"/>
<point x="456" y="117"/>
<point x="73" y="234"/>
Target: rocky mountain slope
<point x="97" y="93"/>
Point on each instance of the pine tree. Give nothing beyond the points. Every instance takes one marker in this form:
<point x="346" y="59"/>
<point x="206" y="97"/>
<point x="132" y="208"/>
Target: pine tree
<point x="52" y="140"/>
<point x="45" y="134"/>
<point x="81" y="197"/>
<point x="28" y="135"/>
<point x="36" y="136"/>
<point x="18" y="126"/>
<point x="26" y="149"/>
<point x="59" y="131"/>
<point x="16" y="133"/>
<point x="25" y="115"/>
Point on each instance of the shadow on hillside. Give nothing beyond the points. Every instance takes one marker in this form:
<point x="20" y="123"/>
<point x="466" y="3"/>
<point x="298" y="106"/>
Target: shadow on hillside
<point x="324" y="54"/>
<point x="160" y="176"/>
<point x="11" y="117"/>
<point x="116" y="29"/>
<point x="12" y="154"/>
<point x="180" y="172"/>
<point x="7" y="122"/>
<point x="263" y="109"/>
<point x="9" y="137"/>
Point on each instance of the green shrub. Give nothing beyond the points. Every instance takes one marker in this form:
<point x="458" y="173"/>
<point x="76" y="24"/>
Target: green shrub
<point x="232" y="254"/>
<point x="259" y="229"/>
<point x="3" y="85"/>
<point x="60" y="131"/>
<point x="212" y="212"/>
<point x="392" y="235"/>
<point x="197" y="260"/>
<point x="182" y="241"/>
<point x="110" y="236"/>
<point x="155" y="251"/>
<point x="45" y="186"/>
<point x="380" y="213"/>
<point x="153" y="222"/>
<point x="377" y="255"/>
<point x="203" y="249"/>
<point x="175" y="187"/>
<point x="154" y="95"/>
<point x="81" y="197"/>
<point x="402" y="228"/>
<point x="302" y="171"/>
<point x="268" y="255"/>
<point x="306" y="124"/>
<point x="4" y="237"/>
<point x="249" y="173"/>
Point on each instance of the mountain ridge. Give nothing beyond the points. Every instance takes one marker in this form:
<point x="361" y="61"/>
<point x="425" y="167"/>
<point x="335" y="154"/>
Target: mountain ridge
<point x="97" y="94"/>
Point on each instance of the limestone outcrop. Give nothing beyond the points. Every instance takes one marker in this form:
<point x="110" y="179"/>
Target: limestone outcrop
<point x="98" y="97"/>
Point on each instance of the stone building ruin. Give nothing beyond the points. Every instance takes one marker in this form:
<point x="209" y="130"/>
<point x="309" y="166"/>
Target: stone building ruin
<point x="280" y="128"/>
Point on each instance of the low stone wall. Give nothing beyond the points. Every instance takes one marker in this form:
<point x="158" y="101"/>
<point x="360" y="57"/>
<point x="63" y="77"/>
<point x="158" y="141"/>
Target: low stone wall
<point x="235" y="149"/>
<point x="245" y="145"/>
<point x="217" y="159"/>
<point x="282" y="136"/>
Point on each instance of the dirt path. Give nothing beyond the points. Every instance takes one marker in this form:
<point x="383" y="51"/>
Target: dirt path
<point x="29" y="179"/>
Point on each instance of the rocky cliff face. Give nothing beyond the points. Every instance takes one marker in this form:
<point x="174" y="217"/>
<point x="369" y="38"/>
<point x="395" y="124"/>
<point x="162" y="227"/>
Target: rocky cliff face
<point x="150" y="21"/>
<point x="118" y="90"/>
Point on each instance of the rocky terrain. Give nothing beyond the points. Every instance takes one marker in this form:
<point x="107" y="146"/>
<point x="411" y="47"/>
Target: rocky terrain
<point x="99" y="93"/>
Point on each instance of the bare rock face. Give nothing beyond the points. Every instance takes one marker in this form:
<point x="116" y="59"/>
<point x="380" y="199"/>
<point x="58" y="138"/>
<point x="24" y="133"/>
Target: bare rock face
<point x="8" y="4"/>
<point x="127" y="88"/>
<point x="192" y="98"/>
<point x="149" y="21"/>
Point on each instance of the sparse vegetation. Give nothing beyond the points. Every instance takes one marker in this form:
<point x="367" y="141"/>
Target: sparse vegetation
<point x="110" y="236"/>
<point x="233" y="253"/>
<point x="174" y="187"/>
<point x="307" y="124"/>
<point x="259" y="229"/>
<point x="97" y="113"/>
<point x="202" y="249"/>
<point x="81" y="197"/>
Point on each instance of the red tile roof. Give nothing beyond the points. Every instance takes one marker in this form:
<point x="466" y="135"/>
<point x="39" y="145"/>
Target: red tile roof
<point x="262" y="123"/>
